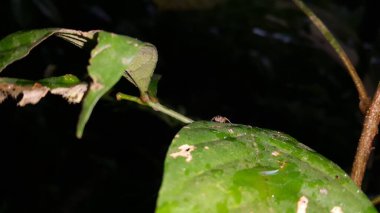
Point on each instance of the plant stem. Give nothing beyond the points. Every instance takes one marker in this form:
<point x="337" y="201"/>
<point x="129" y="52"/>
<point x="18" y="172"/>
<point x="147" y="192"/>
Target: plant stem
<point x="370" y="130"/>
<point x="363" y="97"/>
<point x="376" y="200"/>
<point x="155" y="106"/>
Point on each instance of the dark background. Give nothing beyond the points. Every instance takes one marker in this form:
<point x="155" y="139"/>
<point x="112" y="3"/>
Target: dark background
<point x="257" y="62"/>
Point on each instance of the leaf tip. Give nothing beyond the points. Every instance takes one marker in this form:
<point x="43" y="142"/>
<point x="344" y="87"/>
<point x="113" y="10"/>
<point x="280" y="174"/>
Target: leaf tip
<point x="79" y="133"/>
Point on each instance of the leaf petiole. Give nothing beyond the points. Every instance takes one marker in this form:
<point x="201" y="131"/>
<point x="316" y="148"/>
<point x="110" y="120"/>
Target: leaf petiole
<point x="155" y="106"/>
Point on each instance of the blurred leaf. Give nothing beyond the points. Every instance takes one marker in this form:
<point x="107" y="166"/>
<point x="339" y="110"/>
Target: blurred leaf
<point x="23" y="11"/>
<point x="68" y="86"/>
<point x="186" y="4"/>
<point x="27" y="12"/>
<point x="217" y="167"/>
<point x="49" y="10"/>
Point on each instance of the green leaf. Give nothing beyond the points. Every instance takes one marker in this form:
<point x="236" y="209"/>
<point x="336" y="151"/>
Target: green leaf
<point x="68" y="86"/>
<point x="67" y="80"/>
<point x="18" y="45"/>
<point x="140" y="64"/>
<point x="217" y="167"/>
<point x="113" y="55"/>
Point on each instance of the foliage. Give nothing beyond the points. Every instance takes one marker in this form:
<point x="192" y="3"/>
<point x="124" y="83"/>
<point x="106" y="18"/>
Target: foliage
<point x="259" y="63"/>
<point x="244" y="164"/>
<point x="112" y="56"/>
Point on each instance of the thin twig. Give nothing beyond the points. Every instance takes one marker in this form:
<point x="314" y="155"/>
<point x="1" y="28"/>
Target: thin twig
<point x="370" y="129"/>
<point x="156" y="106"/>
<point x="363" y="97"/>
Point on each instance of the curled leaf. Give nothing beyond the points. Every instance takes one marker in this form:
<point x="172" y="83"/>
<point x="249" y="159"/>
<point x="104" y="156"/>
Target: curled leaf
<point x="113" y="56"/>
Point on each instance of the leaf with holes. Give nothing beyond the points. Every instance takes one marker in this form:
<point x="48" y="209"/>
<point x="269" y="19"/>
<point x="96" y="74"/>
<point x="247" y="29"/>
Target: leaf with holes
<point x="223" y="167"/>
<point x="68" y="86"/>
<point x="113" y="56"/>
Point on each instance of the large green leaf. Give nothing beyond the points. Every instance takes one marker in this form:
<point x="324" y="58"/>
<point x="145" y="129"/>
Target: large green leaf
<point x="217" y="167"/>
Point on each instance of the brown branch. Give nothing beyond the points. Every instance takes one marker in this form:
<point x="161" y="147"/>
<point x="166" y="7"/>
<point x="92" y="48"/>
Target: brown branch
<point x="363" y="97"/>
<point x="376" y="201"/>
<point x="372" y="119"/>
<point x="370" y="129"/>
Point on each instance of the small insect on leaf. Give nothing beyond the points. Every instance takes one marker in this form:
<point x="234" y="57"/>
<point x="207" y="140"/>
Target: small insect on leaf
<point x="220" y="119"/>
